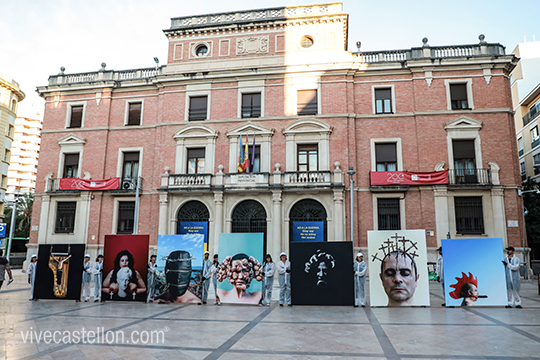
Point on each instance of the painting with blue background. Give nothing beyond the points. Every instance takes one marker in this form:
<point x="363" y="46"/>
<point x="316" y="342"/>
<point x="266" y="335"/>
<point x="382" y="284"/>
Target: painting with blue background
<point x="240" y="243"/>
<point x="482" y="258"/>
<point x="194" y="244"/>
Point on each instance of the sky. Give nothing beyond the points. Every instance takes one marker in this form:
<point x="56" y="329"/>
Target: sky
<point x="37" y="37"/>
<point x="191" y="243"/>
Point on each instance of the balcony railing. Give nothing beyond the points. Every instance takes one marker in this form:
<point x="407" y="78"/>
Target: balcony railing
<point x="532" y="114"/>
<point x="435" y="52"/>
<point x="306" y="177"/>
<point x="104" y="75"/>
<point x="189" y="180"/>
<point x="469" y="177"/>
<point x="251" y="111"/>
<point x="535" y="143"/>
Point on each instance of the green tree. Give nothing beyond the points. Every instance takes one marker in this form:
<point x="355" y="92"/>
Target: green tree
<point x="531" y="201"/>
<point x="23" y="216"/>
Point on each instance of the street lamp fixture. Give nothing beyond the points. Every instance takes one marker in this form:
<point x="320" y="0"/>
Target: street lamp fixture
<point x="351" y="172"/>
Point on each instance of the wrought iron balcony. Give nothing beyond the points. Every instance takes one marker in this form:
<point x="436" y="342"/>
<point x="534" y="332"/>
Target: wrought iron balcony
<point x="469" y="177"/>
<point x="532" y="114"/>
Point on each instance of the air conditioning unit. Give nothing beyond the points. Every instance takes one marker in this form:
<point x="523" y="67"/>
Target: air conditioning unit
<point x="128" y="184"/>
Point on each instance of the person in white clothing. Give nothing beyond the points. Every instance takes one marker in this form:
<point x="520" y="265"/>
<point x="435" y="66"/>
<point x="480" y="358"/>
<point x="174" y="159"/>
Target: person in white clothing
<point x="32" y="274"/>
<point x="284" y="278"/>
<point x="513" y="280"/>
<point x="98" y="277"/>
<point x="151" y="279"/>
<point x="360" y="269"/>
<point x="269" y="269"/>
<point x="213" y="270"/>
<point x="206" y="276"/>
<point x="439" y="272"/>
<point x="87" y="277"/>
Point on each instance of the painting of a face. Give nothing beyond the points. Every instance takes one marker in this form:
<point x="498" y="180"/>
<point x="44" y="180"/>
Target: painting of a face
<point x="123" y="276"/>
<point x="124" y="261"/>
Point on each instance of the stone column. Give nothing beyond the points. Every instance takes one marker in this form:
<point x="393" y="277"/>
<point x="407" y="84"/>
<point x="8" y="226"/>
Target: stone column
<point x="163" y="213"/>
<point x="44" y="219"/>
<point x="84" y="216"/>
<point x="339" y="234"/>
<point x="440" y="194"/>
<point x="218" y="221"/>
<point x="276" y="244"/>
<point x="499" y="218"/>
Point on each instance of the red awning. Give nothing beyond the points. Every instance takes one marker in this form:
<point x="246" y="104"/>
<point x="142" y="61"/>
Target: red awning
<point x="85" y="184"/>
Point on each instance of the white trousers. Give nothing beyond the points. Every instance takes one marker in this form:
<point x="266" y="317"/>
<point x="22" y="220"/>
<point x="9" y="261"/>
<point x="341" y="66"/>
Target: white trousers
<point x="513" y="297"/>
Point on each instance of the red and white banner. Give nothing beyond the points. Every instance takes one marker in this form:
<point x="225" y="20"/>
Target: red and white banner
<point x="408" y="178"/>
<point x="85" y="184"/>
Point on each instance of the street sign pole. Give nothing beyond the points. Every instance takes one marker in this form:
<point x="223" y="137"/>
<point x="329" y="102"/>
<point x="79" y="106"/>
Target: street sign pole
<point x="12" y="227"/>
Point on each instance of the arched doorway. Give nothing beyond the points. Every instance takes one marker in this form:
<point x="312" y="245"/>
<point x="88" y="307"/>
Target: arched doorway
<point x="249" y="217"/>
<point x="308" y="210"/>
<point x="192" y="218"/>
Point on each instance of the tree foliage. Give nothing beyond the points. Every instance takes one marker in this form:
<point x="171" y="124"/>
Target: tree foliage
<point x="23" y="216"/>
<point x="531" y="201"/>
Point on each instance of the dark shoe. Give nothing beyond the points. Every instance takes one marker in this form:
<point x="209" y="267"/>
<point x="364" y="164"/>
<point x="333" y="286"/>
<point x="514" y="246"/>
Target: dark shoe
<point x="518" y="307"/>
<point x="508" y="307"/>
<point x="281" y="305"/>
<point x="443" y="304"/>
<point x="355" y="305"/>
<point x="204" y="302"/>
<point x="289" y="305"/>
<point x="199" y="304"/>
<point x="363" y="305"/>
<point x="97" y="300"/>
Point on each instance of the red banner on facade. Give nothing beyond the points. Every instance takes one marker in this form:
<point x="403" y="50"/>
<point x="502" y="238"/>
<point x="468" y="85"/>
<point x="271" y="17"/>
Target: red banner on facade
<point x="408" y="178"/>
<point x="85" y="184"/>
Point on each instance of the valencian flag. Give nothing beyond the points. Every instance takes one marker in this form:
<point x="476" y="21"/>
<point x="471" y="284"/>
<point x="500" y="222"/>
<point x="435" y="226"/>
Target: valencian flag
<point x="243" y="156"/>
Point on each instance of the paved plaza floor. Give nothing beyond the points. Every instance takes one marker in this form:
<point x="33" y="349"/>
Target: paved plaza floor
<point x="177" y="331"/>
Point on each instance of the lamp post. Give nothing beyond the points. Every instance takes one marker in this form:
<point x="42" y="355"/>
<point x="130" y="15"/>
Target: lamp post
<point x="351" y="172"/>
<point x="12" y="226"/>
<point x="136" y="216"/>
<point x="520" y="193"/>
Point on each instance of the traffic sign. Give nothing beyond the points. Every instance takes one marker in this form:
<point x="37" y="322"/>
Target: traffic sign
<point x="3" y="227"/>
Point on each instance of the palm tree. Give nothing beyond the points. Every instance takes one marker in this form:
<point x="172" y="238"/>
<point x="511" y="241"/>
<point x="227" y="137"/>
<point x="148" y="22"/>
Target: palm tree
<point x="24" y="215"/>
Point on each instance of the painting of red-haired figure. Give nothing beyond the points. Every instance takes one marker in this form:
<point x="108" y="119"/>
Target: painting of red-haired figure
<point x="474" y="272"/>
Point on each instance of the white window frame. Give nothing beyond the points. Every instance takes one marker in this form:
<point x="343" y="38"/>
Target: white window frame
<point x="120" y="163"/>
<point x="307" y="83"/>
<point x="194" y="91"/>
<point x="193" y="47"/>
<point x="192" y="136"/>
<point x="126" y="112"/>
<point x="402" y="217"/>
<point x="464" y="128"/>
<point x="70" y="144"/>
<point x="181" y="46"/>
<point x="116" y="210"/>
<point x="399" y="153"/>
<point x="68" y="113"/>
<point x="466" y="81"/>
<point x="313" y="36"/>
<point x="392" y="98"/>
<point x="307" y="131"/>
<point x="250" y="87"/>
<point x="52" y="219"/>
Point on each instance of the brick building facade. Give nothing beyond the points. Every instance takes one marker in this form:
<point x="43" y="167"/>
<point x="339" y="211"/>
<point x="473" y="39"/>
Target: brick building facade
<point x="285" y="77"/>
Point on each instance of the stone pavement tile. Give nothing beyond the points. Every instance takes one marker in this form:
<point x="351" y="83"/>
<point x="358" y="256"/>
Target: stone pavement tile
<point x="326" y="338"/>
<point x="213" y="312"/>
<point x="511" y="316"/>
<point x="189" y="334"/>
<point x="533" y="330"/>
<point x="339" y="314"/>
<point x="247" y="356"/>
<point x="435" y="340"/>
<point x="440" y="315"/>
<point x="177" y="354"/>
<point x="121" y="309"/>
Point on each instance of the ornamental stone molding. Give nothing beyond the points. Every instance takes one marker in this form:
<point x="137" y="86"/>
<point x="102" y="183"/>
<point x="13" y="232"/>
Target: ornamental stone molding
<point x="252" y="45"/>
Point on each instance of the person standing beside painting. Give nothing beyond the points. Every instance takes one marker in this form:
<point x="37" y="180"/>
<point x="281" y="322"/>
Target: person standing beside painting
<point x="98" y="277"/>
<point x="513" y="280"/>
<point x="87" y="277"/>
<point x="4" y="266"/>
<point x="360" y="269"/>
<point x="214" y="270"/>
<point x="269" y="269"/>
<point x="151" y="278"/>
<point x="284" y="278"/>
<point x="439" y="271"/>
<point x="32" y="274"/>
<point x="207" y="264"/>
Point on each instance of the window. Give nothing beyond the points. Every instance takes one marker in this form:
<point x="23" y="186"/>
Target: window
<point x="195" y="161"/>
<point x="464" y="161"/>
<point x="306" y="42"/>
<point x="256" y="166"/>
<point x="71" y="166"/>
<point x="306" y="103"/>
<point x="126" y="217"/>
<point x="76" y="116"/>
<point x="7" y="155"/>
<point x="13" y="105"/>
<point x="458" y="96"/>
<point x="523" y="171"/>
<point x="251" y="105"/>
<point x="383" y="101"/>
<point x="308" y="158"/>
<point x="10" y="131"/>
<point x="469" y="215"/>
<point x="197" y="108"/>
<point x="65" y="217"/>
<point x="130" y="169"/>
<point x="388" y="214"/>
<point x="385" y="156"/>
<point x="134" y="113"/>
<point x="534" y="137"/>
<point x="3" y="182"/>
<point x="201" y="50"/>
<point x="520" y="145"/>
<point x="536" y="162"/>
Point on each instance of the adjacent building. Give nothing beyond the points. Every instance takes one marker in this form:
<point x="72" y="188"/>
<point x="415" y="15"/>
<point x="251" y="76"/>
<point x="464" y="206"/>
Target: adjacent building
<point x="526" y="101"/>
<point x="283" y="81"/>
<point x="10" y="96"/>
